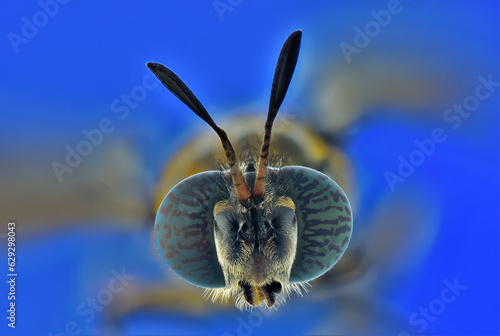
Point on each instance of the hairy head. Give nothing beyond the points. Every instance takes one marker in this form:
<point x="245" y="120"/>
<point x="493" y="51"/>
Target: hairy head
<point x="256" y="246"/>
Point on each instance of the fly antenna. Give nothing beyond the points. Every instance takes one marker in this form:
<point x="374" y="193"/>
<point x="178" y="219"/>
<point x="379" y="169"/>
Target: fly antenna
<point x="282" y="77"/>
<point x="185" y="95"/>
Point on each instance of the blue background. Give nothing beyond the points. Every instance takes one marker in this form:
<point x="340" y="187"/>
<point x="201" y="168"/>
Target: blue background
<point x="72" y="234"/>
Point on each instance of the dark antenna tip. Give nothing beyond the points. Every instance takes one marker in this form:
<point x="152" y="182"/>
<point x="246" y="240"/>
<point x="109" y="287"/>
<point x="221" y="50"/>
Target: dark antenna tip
<point x="151" y="65"/>
<point x="282" y="77"/>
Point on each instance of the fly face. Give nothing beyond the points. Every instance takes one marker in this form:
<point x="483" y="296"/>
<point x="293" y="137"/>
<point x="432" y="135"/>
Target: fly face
<point x="256" y="246"/>
<point x="252" y="231"/>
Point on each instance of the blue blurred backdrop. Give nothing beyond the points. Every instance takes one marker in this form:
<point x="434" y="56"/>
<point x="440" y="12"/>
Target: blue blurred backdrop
<point x="409" y="92"/>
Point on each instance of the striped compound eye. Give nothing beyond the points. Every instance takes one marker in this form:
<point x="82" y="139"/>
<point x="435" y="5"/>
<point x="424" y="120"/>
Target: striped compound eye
<point x="252" y="232"/>
<point x="184" y="227"/>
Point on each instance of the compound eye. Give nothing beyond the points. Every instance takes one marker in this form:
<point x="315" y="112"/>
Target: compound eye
<point x="184" y="230"/>
<point x="324" y="222"/>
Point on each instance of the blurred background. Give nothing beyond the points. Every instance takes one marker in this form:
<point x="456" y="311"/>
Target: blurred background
<point x="396" y="101"/>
